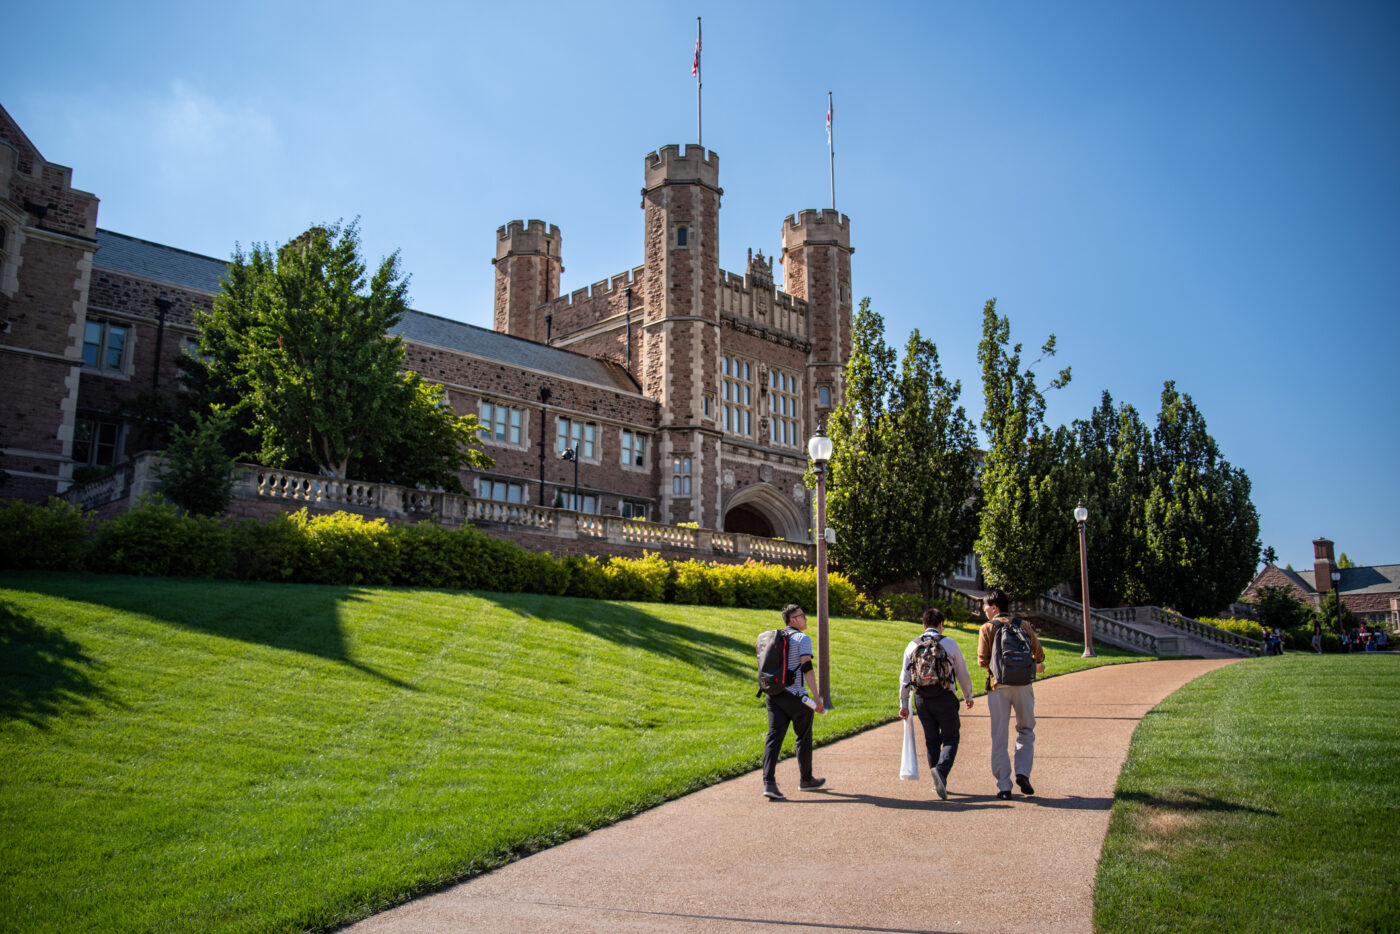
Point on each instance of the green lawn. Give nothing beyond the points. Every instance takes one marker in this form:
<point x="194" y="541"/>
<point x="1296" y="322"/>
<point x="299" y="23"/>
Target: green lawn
<point x="1264" y="796"/>
<point x="210" y="756"/>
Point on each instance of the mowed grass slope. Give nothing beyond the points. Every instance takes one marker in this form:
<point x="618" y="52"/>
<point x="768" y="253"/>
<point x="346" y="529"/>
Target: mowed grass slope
<point x="202" y="756"/>
<point x="1264" y="796"/>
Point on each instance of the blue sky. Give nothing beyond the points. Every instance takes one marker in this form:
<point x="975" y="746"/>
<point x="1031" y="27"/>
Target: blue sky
<point x="1199" y="191"/>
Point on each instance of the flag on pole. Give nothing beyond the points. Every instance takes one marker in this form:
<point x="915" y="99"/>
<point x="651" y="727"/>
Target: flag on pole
<point x="828" y="120"/>
<point x="695" y="65"/>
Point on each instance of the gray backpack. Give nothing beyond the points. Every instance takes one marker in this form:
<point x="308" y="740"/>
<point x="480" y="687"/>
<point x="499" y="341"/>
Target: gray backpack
<point x="1012" y="661"/>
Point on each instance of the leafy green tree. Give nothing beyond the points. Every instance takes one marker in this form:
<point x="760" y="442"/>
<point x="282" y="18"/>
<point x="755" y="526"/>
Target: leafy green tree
<point x="931" y="446"/>
<point x="297" y="347"/>
<point x="857" y="501"/>
<point x="1279" y="608"/>
<point x="1202" y="531"/>
<point x="1332" y="619"/>
<point x="1345" y="562"/>
<point x="1113" y="443"/>
<point x="902" y="492"/>
<point x="1030" y="479"/>
<point x="198" y="474"/>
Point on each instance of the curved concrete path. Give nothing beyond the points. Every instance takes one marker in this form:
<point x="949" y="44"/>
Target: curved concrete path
<point x="866" y="853"/>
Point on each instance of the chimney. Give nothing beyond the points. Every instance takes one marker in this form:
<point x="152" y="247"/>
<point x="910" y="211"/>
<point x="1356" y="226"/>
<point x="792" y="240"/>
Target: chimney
<point x="1323" y="565"/>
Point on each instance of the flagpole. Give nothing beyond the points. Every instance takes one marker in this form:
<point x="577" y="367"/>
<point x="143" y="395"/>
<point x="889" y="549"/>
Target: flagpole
<point x="699" y="135"/>
<point x="830" y="150"/>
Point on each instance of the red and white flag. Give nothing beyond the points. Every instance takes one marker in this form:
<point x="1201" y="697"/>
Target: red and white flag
<point x="695" y="65"/>
<point x="828" y="121"/>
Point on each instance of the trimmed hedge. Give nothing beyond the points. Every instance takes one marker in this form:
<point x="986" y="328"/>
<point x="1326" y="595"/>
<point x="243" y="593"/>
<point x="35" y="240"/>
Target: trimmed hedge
<point x="1240" y="627"/>
<point x="155" y="539"/>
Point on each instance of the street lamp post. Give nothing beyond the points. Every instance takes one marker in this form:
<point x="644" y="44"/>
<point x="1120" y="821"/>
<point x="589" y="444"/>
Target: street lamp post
<point x="545" y="393"/>
<point x="1337" y="587"/>
<point x="819" y="449"/>
<point x="1081" y="515"/>
<point x="571" y="454"/>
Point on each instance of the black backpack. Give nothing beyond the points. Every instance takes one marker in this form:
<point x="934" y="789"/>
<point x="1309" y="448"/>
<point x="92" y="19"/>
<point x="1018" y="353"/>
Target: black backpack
<point x="1012" y="661"/>
<point x="930" y="664"/>
<point x="773" y="673"/>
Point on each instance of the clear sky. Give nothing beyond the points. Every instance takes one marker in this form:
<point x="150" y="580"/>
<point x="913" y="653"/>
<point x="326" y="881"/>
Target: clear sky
<point x="1207" y="192"/>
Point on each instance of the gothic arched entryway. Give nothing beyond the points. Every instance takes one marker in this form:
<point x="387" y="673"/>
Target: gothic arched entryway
<point x="748" y="520"/>
<point x="760" y="509"/>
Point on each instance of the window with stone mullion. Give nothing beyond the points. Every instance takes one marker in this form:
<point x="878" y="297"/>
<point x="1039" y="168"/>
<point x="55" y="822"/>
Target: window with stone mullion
<point x="782" y="408"/>
<point x="736" y="395"/>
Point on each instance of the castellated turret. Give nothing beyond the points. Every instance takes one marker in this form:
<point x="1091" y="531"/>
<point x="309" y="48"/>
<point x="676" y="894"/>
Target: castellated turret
<point x="528" y="263"/>
<point x="817" y="267"/>
<point x="670" y="165"/>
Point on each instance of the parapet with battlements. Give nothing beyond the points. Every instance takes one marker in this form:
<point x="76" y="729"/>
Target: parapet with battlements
<point x="532" y="237"/>
<point x="817" y="227"/>
<point x="674" y="165"/>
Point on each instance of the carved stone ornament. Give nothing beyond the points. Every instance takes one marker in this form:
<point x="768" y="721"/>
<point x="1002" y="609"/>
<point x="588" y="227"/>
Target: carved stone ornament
<point x="799" y="492"/>
<point x="729" y="479"/>
<point x="765" y="473"/>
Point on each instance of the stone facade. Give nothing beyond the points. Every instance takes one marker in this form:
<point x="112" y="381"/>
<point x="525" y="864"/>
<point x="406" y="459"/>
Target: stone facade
<point x="697" y="388"/>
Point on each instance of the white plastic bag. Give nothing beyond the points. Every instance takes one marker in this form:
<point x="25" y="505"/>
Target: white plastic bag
<point x="909" y="763"/>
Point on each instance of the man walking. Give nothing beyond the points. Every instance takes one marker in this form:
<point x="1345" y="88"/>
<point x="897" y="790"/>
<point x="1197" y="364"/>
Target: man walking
<point x="929" y="673"/>
<point x="788" y="707"/>
<point x="1006" y="648"/>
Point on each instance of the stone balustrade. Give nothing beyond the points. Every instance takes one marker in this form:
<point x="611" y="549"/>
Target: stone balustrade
<point x="1106" y="627"/>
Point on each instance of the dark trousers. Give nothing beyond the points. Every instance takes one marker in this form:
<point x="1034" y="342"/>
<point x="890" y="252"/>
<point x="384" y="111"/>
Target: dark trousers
<point x="938" y="712"/>
<point x="783" y="709"/>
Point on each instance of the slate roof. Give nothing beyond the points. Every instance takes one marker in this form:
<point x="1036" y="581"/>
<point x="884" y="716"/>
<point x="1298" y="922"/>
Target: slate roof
<point x="148" y="260"/>
<point x="156" y="261"/>
<point x="1382" y="579"/>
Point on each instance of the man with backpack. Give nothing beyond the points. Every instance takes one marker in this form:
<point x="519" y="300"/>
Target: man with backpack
<point x="1011" y="653"/>
<point x="788" y="701"/>
<point x="931" y="663"/>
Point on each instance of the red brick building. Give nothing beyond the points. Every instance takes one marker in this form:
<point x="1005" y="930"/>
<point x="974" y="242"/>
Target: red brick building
<point x="688" y="391"/>
<point x="1371" y="593"/>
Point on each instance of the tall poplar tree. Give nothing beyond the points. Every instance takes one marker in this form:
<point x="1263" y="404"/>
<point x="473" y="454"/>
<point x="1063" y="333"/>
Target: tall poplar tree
<point x="857" y="499"/>
<point x="1114" y="443"/>
<point x="932" y="448"/>
<point x="1202" y="530"/>
<point x="1027" y="538"/>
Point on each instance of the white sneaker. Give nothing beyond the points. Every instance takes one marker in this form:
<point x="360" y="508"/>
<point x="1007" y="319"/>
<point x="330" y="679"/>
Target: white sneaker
<point x="939" y="785"/>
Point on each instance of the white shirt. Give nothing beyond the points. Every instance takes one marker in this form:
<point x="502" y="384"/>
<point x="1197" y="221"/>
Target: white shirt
<point x="954" y="655"/>
<point x="799" y="644"/>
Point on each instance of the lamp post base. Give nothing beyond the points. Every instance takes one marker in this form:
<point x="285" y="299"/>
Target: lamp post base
<point x="1089" y="653"/>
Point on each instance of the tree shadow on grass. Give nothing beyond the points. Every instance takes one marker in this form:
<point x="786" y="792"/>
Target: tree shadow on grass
<point x="628" y="626"/>
<point x="302" y="618"/>
<point x="1191" y="801"/>
<point x="43" y="673"/>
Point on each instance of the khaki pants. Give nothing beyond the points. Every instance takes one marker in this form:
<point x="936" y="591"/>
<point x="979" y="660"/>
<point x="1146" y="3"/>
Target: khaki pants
<point x="1000" y="703"/>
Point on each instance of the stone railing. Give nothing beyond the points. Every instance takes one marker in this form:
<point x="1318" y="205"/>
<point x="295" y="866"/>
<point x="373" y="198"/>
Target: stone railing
<point x="1203" y="631"/>
<point x="454" y="509"/>
<point x="955" y="596"/>
<point x="1196" y="629"/>
<point x="1105" y="627"/>
<point x="101" y="491"/>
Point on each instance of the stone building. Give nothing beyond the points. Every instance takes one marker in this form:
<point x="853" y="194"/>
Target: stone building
<point x="687" y="391"/>
<point x="1372" y="593"/>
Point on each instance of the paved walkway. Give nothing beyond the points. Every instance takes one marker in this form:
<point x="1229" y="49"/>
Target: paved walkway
<point x="866" y="853"/>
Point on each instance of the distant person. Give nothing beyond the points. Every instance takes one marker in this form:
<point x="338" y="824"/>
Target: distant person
<point x="938" y="705"/>
<point x="1003" y="645"/>
<point x="788" y="707"/>
<point x="1317" y="636"/>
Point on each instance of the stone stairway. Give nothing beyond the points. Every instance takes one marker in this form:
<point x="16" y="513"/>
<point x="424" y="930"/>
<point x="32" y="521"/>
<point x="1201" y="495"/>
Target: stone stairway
<point x="1148" y="629"/>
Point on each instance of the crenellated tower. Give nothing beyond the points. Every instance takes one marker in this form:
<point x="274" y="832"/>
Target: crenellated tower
<point x="680" y="337"/>
<point x="817" y="267"/>
<point x="527" y="265"/>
